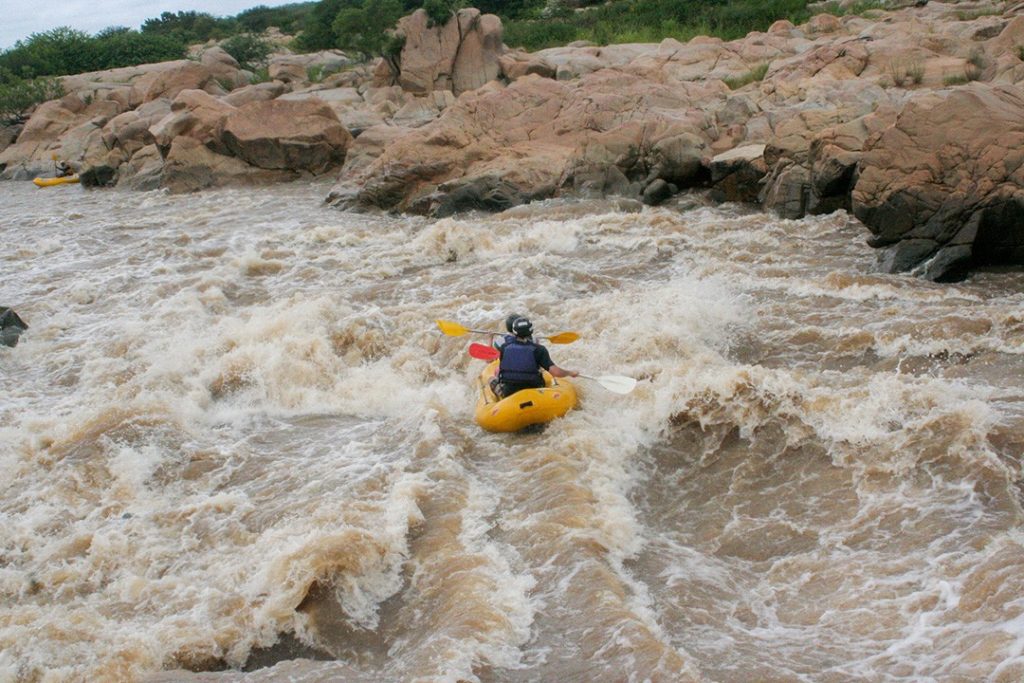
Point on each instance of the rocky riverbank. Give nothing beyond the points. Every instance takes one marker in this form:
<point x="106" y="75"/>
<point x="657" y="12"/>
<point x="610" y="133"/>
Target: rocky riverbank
<point x="910" y="118"/>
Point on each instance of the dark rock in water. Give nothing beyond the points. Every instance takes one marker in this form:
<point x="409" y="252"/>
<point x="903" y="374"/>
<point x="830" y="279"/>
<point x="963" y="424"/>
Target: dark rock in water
<point x="787" y="190"/>
<point x="98" y="176"/>
<point x="949" y="264"/>
<point x="11" y="327"/>
<point x="597" y="182"/>
<point x="657" y="192"/>
<point x="736" y="175"/>
<point x="480" y="194"/>
<point x="905" y="255"/>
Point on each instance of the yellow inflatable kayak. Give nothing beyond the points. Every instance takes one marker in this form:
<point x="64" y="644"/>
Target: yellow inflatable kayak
<point x="523" y="408"/>
<point x="49" y="182"/>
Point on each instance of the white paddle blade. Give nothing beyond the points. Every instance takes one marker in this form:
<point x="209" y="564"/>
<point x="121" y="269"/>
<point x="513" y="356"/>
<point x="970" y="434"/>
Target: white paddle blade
<point x="615" y="383"/>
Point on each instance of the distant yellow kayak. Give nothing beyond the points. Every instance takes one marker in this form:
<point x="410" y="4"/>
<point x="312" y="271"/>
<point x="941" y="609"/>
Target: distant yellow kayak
<point x="48" y="182"/>
<point x="523" y="408"/>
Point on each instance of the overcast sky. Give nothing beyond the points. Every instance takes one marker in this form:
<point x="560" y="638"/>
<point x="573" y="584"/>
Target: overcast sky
<point x="21" y="18"/>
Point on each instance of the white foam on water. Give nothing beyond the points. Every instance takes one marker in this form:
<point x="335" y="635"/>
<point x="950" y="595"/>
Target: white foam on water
<point x="227" y="398"/>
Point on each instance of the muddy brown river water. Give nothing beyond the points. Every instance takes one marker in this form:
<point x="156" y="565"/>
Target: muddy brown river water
<point x="236" y="448"/>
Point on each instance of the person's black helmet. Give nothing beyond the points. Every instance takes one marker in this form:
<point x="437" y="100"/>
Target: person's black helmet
<point x="510" y="321"/>
<point x="521" y="327"/>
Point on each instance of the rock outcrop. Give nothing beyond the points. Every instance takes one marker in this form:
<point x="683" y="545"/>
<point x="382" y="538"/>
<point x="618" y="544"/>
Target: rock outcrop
<point x="943" y="187"/>
<point x="608" y="133"/>
<point x="460" y="55"/>
<point x="908" y="118"/>
<point x="281" y="134"/>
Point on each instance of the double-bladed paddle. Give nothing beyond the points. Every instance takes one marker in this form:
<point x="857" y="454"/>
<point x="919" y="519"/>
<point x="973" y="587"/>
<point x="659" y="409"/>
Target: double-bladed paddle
<point x="615" y="383"/>
<point x="456" y="330"/>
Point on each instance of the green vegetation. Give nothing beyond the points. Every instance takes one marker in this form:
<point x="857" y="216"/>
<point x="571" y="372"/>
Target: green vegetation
<point x="916" y="72"/>
<point x="248" y="49"/>
<point x="288" y="18"/>
<point x="364" y="26"/>
<point x="975" y="65"/>
<point x="18" y="95"/>
<point x="260" y="75"/>
<point x="954" y="79"/>
<point x="755" y="75"/>
<point x="67" y="51"/>
<point x="189" y="27"/>
<point x="649" y="21"/>
<point x="856" y="9"/>
<point x="440" y="11"/>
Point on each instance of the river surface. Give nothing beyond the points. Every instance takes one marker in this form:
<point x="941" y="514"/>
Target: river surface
<point x="235" y="447"/>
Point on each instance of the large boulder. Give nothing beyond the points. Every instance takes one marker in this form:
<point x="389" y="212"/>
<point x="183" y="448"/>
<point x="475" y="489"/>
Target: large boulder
<point x="196" y="114"/>
<point x="129" y="131"/>
<point x="573" y="62"/>
<point x="518" y="63"/>
<point x="260" y="92"/>
<point x="737" y="174"/>
<point x="461" y="55"/>
<point x="280" y="134"/>
<point x="820" y="179"/>
<point x="224" y="68"/>
<point x="287" y="69"/>
<point x="143" y="171"/>
<point x="191" y="166"/>
<point x="943" y="188"/>
<point x="171" y="80"/>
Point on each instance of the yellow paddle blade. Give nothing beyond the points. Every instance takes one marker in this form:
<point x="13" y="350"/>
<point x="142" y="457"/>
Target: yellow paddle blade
<point x="451" y="329"/>
<point x="564" y="338"/>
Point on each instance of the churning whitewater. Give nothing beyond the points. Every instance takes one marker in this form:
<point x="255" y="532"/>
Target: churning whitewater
<point x="237" y="447"/>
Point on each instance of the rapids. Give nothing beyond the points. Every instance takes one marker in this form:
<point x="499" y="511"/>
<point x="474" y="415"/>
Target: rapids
<point x="236" y="447"/>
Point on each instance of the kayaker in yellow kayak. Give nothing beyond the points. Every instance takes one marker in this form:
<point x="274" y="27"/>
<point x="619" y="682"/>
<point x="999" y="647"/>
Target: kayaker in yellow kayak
<point x="61" y="169"/>
<point x="522" y="360"/>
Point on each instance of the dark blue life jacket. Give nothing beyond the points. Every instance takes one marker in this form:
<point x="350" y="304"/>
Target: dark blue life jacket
<point x="518" y="363"/>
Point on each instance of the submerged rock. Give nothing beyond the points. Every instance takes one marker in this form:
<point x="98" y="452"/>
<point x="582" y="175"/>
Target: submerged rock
<point x="11" y="327"/>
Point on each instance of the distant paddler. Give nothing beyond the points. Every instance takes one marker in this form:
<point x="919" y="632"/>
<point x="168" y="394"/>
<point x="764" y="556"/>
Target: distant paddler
<point x="61" y="168"/>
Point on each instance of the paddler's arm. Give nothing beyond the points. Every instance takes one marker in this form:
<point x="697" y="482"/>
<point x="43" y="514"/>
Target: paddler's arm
<point x="560" y="372"/>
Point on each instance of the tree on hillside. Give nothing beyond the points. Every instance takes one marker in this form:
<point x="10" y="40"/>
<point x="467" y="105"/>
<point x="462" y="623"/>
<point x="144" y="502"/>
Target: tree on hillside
<point x="125" y="47"/>
<point x="440" y="11"/>
<point x="288" y="18"/>
<point x="364" y="28"/>
<point x="18" y="96"/>
<point x="62" y="50"/>
<point x="189" y="27"/>
<point x="248" y="49"/>
<point x="318" y="30"/>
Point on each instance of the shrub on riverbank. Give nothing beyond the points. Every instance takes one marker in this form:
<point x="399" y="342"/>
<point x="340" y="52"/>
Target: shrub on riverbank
<point x="18" y="95"/>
